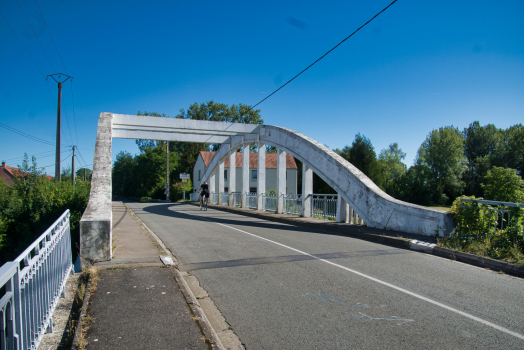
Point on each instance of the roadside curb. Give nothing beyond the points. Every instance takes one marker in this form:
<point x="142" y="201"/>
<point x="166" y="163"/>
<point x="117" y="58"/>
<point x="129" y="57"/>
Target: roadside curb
<point x="417" y="245"/>
<point x="190" y="298"/>
<point x="83" y="313"/>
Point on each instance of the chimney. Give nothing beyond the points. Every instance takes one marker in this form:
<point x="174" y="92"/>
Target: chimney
<point x="3" y="164"/>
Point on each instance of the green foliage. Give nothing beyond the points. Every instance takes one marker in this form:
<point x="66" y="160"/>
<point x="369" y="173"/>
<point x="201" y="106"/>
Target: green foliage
<point x="143" y="175"/>
<point x="443" y="153"/>
<point x="390" y="161"/>
<point x="482" y="230"/>
<point x="32" y="204"/>
<point x="84" y="174"/>
<point x="504" y="185"/>
<point x="176" y="191"/>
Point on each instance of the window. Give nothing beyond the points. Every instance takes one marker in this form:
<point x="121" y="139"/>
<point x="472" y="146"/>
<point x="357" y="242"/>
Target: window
<point x="254" y="175"/>
<point x="199" y="175"/>
<point x="226" y="189"/>
<point x="225" y="174"/>
<point x="253" y="190"/>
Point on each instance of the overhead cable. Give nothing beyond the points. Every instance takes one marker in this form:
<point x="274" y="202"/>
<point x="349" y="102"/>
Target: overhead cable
<point x="51" y="36"/>
<point x="324" y="55"/>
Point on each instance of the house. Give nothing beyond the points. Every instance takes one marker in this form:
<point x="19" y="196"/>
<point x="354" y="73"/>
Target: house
<point x="204" y="157"/>
<point x="8" y="173"/>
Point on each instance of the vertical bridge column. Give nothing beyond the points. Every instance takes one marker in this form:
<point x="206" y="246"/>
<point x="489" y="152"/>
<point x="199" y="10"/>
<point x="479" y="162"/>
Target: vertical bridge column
<point x="245" y="174"/>
<point x="281" y="180"/>
<point x="261" y="174"/>
<point x="220" y="181"/>
<point x="341" y="209"/>
<point x="212" y="183"/>
<point x="232" y="176"/>
<point x="307" y="190"/>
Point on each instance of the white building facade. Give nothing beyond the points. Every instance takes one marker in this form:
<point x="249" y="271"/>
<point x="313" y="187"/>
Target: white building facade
<point x="204" y="157"/>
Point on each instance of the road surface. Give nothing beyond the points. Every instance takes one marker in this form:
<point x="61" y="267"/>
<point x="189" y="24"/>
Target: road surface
<point x="285" y="287"/>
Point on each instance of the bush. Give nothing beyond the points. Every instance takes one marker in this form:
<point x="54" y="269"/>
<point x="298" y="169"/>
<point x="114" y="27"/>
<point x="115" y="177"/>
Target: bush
<point x="32" y="204"/>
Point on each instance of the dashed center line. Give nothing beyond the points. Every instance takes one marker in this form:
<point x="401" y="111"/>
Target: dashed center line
<point x="418" y="296"/>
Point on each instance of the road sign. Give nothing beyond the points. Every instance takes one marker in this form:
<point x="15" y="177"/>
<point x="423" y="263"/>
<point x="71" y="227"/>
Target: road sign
<point x="166" y="192"/>
<point x="184" y="180"/>
<point x="166" y="186"/>
<point x="184" y="176"/>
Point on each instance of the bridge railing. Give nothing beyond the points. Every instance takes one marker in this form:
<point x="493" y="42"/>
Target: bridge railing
<point x="324" y="206"/>
<point x="213" y="196"/>
<point x="293" y="204"/>
<point x="491" y="217"/>
<point x="225" y="198"/>
<point x="33" y="283"/>
<point x="269" y="202"/>
<point x="236" y="199"/>
<point x="251" y="200"/>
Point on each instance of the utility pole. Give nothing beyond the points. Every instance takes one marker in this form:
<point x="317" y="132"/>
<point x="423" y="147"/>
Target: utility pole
<point x="73" y="167"/>
<point x="167" y="170"/>
<point x="58" y="121"/>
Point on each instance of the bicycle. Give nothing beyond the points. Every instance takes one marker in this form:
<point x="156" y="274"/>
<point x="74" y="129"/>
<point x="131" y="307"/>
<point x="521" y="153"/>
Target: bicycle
<point x="203" y="203"/>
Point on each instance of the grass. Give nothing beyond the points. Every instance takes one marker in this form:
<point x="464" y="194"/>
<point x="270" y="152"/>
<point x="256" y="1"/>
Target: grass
<point x="445" y="207"/>
<point x="88" y="274"/>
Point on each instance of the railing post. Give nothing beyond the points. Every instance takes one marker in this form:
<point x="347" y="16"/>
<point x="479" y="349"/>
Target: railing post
<point x="325" y="206"/>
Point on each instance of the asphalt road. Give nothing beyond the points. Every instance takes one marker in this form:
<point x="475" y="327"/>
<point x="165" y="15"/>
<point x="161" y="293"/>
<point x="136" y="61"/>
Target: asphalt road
<point x="285" y="287"/>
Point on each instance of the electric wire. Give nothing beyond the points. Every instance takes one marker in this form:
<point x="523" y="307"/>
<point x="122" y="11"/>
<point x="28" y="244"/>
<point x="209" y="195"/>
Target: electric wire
<point x="47" y="166"/>
<point x="34" y="138"/>
<point x="51" y="35"/>
<point x="324" y="55"/>
<point x="30" y="26"/>
<point x="27" y="52"/>
<point x="37" y="154"/>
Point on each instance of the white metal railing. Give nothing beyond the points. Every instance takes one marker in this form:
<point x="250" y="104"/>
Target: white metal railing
<point x="33" y="284"/>
<point x="193" y="197"/>
<point x="494" y="215"/>
<point x="214" y="198"/>
<point x="225" y="198"/>
<point x="269" y="202"/>
<point x="293" y="204"/>
<point x="236" y="198"/>
<point x="251" y="200"/>
<point x="324" y="206"/>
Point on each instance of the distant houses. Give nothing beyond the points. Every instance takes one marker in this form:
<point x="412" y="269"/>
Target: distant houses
<point x="204" y="157"/>
<point x="8" y="173"/>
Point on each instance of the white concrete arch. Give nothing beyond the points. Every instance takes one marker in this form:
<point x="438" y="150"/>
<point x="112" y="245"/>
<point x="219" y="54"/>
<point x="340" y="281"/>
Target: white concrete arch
<point x="374" y="206"/>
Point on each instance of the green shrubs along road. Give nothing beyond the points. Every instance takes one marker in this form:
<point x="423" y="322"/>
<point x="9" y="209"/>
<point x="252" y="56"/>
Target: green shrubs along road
<point x="32" y="204"/>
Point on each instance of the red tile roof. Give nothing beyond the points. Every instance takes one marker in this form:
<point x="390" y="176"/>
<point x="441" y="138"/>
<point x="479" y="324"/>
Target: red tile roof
<point x="8" y="173"/>
<point x="271" y="160"/>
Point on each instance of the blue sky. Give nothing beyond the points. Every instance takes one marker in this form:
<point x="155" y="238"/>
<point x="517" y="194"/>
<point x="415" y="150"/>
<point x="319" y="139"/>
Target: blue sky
<point x="418" y="66"/>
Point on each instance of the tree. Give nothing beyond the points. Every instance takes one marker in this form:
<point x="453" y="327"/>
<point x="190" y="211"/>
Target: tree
<point x="84" y="173"/>
<point x="504" y="185"/>
<point x="415" y="186"/>
<point x="443" y="153"/>
<point x="516" y="148"/>
<point x="362" y="155"/>
<point x="390" y="160"/>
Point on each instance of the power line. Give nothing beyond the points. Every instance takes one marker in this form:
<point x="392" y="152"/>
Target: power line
<point x="51" y="35"/>
<point x="324" y="55"/>
<point x="22" y="45"/>
<point x="30" y="26"/>
<point x="21" y="133"/>
<point x="47" y="166"/>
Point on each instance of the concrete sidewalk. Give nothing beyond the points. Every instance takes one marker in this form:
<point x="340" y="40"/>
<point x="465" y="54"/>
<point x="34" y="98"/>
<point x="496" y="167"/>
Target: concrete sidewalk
<point x="138" y="302"/>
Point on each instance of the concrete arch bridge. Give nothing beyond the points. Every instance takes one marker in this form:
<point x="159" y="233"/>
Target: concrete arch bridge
<point x="354" y="188"/>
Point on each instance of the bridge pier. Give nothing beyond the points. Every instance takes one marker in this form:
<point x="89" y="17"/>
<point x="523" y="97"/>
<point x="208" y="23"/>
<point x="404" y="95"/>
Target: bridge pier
<point x="341" y="209"/>
<point x="281" y="180"/>
<point x="220" y="181"/>
<point x="245" y="174"/>
<point x="307" y="190"/>
<point x="261" y="176"/>
<point x="232" y="176"/>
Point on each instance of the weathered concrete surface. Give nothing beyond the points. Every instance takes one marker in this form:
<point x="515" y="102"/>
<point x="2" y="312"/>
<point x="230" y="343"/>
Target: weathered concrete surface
<point x="373" y="205"/>
<point x="96" y="222"/>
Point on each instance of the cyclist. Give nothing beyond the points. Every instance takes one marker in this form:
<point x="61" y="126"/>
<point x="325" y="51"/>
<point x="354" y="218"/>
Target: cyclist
<point x="205" y="194"/>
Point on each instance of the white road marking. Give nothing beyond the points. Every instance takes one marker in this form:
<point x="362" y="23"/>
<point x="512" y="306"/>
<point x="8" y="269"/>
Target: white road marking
<point x="449" y="308"/>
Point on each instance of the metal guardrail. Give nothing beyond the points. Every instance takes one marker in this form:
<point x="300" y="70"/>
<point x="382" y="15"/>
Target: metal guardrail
<point x="214" y="197"/>
<point x="324" y="206"/>
<point x="293" y="204"/>
<point x="225" y="198"/>
<point x="496" y="214"/>
<point x="251" y="200"/>
<point x="269" y="202"/>
<point x="236" y="199"/>
<point x="33" y="284"/>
